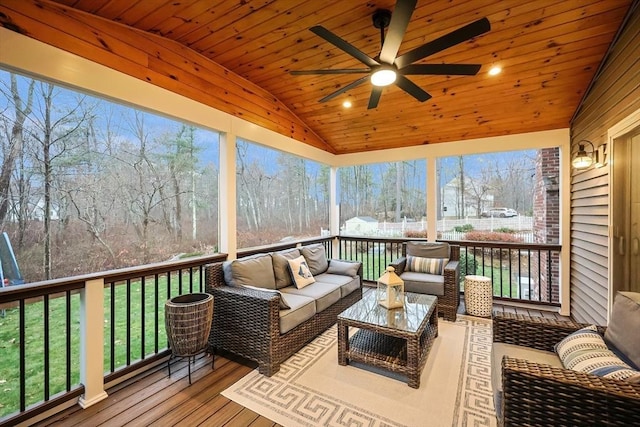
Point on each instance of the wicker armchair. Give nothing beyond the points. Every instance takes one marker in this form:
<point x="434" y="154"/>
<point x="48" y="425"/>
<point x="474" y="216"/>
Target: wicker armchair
<point x="541" y="395"/>
<point x="449" y="301"/>
<point x="246" y="322"/>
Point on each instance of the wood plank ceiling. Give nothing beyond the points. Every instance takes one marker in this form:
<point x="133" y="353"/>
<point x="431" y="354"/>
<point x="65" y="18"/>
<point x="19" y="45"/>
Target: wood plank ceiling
<point x="549" y="52"/>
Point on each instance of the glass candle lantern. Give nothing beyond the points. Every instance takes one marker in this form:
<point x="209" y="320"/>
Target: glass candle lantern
<point x="390" y="291"/>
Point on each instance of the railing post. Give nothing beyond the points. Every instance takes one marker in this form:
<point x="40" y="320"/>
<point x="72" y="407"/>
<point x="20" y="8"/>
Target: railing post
<point x="92" y="342"/>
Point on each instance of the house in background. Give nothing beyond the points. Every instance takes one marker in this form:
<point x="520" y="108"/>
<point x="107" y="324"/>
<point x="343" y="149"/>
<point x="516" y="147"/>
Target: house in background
<point x="361" y="225"/>
<point x="474" y="204"/>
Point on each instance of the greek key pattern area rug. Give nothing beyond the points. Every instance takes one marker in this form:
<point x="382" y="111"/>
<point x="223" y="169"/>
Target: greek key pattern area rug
<point x="311" y="389"/>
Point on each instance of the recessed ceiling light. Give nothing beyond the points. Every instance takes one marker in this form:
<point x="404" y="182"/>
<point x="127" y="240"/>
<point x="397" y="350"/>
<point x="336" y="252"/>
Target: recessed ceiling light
<point x="494" y="71"/>
<point x="347" y="104"/>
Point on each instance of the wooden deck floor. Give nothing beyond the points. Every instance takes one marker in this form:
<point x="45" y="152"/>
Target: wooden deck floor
<point x="155" y="399"/>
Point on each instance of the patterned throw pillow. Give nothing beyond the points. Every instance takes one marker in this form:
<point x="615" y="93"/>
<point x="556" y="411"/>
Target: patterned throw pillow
<point x="300" y="272"/>
<point x="585" y="350"/>
<point x="426" y="265"/>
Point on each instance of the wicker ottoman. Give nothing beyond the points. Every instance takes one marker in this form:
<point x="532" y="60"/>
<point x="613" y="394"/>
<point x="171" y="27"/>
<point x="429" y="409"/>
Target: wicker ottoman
<point x="478" y="295"/>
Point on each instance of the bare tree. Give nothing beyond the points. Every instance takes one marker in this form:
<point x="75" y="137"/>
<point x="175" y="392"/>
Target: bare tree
<point x="461" y="179"/>
<point x="478" y="189"/>
<point x="15" y="138"/>
<point x="54" y="132"/>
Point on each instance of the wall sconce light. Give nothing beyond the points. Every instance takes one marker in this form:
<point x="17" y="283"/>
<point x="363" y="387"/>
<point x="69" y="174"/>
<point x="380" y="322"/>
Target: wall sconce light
<point x="582" y="159"/>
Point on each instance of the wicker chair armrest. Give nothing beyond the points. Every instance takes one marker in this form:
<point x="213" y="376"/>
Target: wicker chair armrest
<point x="248" y="304"/>
<point x="213" y="276"/>
<point x="454" y="252"/>
<point x="399" y="265"/>
<point x="535" y="332"/>
<point x="453" y="265"/>
<point x="241" y="293"/>
<point x="538" y="394"/>
<point x="452" y="275"/>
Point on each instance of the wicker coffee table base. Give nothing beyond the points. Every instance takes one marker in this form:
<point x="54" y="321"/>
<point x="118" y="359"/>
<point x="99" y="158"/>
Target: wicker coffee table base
<point x="397" y="351"/>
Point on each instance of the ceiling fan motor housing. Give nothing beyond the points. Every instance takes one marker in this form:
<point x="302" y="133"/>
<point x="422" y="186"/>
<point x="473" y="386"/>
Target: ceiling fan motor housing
<point x="381" y="18"/>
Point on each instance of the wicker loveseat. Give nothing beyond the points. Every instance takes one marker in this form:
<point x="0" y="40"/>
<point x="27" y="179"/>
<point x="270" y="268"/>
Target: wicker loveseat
<point x="251" y="321"/>
<point x="531" y="387"/>
<point x="445" y="286"/>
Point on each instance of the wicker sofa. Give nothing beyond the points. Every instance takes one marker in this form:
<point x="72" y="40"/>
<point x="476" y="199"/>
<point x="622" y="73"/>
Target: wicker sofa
<point x="252" y="322"/>
<point x="445" y="286"/>
<point x="531" y="387"/>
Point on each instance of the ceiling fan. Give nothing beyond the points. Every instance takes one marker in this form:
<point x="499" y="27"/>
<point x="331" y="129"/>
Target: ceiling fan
<point x="387" y="67"/>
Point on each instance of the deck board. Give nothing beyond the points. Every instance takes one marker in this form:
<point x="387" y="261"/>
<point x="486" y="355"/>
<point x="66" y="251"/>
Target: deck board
<point x="154" y="398"/>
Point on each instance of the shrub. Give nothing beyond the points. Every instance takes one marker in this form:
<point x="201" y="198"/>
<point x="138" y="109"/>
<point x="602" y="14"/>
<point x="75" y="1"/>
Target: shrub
<point x="468" y="265"/>
<point x="463" y="228"/>
<point x="416" y="234"/>
<point x="505" y="230"/>
<point x="493" y="236"/>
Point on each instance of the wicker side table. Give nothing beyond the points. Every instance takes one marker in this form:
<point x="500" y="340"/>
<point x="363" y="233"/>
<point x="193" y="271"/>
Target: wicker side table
<point x="478" y="295"/>
<point x="188" y="323"/>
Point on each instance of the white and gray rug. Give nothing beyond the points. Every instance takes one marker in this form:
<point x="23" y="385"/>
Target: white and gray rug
<point x="311" y="389"/>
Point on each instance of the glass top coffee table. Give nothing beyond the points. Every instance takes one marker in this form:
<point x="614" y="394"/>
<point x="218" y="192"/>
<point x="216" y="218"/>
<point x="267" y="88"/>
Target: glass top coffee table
<point x="397" y="339"/>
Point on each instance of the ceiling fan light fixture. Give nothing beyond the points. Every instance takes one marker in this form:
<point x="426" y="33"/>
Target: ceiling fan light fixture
<point x="383" y="76"/>
<point x="494" y="71"/>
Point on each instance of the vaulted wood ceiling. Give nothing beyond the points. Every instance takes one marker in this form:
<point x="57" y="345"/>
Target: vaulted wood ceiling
<point x="549" y="52"/>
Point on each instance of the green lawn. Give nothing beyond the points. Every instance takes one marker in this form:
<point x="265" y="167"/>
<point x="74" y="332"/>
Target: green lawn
<point x="35" y="314"/>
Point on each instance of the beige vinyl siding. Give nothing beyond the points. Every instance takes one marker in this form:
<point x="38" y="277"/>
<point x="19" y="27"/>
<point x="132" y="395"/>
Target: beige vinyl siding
<point x="614" y="95"/>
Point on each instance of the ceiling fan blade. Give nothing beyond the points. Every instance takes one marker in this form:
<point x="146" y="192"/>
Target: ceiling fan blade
<point x="455" y="37"/>
<point x="345" y="88"/>
<point x="375" y="97"/>
<point x="397" y="28"/>
<point x="343" y="45"/>
<point x="442" y="69"/>
<point x="412" y="89"/>
<point x="334" y="71"/>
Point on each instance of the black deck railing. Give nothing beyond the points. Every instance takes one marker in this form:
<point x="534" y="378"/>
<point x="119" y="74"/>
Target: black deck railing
<point x="133" y="301"/>
<point x="42" y="324"/>
<point x="519" y="272"/>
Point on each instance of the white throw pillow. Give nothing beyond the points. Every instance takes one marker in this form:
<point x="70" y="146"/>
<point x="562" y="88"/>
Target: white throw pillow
<point x="300" y="272"/>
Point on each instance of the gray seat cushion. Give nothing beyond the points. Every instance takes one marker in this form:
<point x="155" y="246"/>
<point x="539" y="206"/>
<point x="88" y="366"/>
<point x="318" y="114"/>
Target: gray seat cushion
<point x="622" y="331"/>
<point x="499" y="350"/>
<point x="302" y="309"/>
<point x="281" y="269"/>
<point x="347" y="284"/>
<point x="423" y="283"/>
<point x="428" y="249"/>
<point x="324" y="294"/>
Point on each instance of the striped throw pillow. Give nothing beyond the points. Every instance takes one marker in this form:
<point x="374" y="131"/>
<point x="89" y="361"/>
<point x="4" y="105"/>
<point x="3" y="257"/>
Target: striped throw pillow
<point x="426" y="265"/>
<point x="586" y="351"/>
